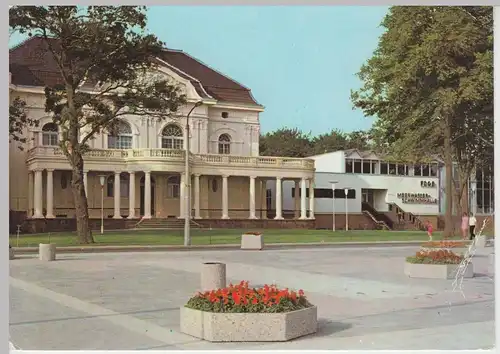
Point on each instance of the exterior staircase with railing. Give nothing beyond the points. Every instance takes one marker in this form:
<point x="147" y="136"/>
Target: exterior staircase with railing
<point x="406" y="220"/>
<point x="380" y="219"/>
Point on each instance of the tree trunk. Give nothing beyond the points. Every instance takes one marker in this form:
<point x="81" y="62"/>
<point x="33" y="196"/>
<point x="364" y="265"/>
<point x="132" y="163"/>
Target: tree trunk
<point x="84" y="233"/>
<point x="448" y="163"/>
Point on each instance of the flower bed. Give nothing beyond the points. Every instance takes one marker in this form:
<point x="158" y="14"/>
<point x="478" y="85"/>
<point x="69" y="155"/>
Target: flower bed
<point x="252" y="241"/>
<point x="446" y="244"/>
<point x="436" y="264"/>
<point x="239" y="313"/>
<point x="457" y="247"/>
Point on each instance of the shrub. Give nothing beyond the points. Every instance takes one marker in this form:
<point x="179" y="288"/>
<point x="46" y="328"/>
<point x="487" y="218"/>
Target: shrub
<point x="242" y="299"/>
<point x="445" y="244"/>
<point x="435" y="257"/>
<point x="255" y="233"/>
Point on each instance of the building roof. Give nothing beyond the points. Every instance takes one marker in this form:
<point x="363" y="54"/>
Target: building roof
<point x="31" y="64"/>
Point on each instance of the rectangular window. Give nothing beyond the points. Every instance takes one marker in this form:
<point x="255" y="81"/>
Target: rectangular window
<point x="374" y="167"/>
<point x="434" y="169"/>
<point x="120" y="142"/>
<point x="392" y="169"/>
<point x="367" y="167"/>
<point x="124" y="188"/>
<point x="357" y="166"/>
<point x="417" y="170"/>
<point x="426" y="171"/>
<point x="348" y="166"/>
<point x="326" y="193"/>
<point x="384" y="170"/>
<point x="402" y="170"/>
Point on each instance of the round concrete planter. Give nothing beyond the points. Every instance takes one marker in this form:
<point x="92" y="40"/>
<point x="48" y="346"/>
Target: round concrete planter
<point x="47" y="252"/>
<point x="252" y="242"/>
<point x="435" y="271"/>
<point x="213" y="276"/>
<point x="248" y="327"/>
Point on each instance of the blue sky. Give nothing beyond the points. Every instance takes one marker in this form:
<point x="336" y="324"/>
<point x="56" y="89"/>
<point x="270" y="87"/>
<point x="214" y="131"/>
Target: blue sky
<point x="299" y="61"/>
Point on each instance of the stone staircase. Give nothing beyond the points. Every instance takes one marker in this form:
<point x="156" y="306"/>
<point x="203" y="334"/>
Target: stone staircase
<point x="165" y="224"/>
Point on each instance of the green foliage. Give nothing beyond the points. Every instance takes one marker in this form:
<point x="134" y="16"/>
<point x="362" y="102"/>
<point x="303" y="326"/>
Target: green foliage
<point x="432" y="69"/>
<point x="295" y="143"/>
<point x="427" y="260"/>
<point x="18" y="121"/>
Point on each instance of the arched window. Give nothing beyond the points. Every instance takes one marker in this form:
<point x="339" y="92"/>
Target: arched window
<point x="171" y="137"/>
<point x="50" y="135"/>
<point x="122" y="139"/>
<point x="224" y="144"/>
<point x="124" y="186"/>
<point x="173" y="187"/>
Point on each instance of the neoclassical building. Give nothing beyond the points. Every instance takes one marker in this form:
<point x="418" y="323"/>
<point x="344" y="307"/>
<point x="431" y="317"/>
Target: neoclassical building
<point x="143" y="165"/>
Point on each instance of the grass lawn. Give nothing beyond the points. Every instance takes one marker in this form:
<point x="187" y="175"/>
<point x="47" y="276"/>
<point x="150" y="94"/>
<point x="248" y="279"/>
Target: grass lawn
<point x="220" y="236"/>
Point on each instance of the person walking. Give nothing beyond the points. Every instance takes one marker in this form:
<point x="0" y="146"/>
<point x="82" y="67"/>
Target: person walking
<point x="465" y="226"/>
<point x="428" y="227"/>
<point x="472" y="226"/>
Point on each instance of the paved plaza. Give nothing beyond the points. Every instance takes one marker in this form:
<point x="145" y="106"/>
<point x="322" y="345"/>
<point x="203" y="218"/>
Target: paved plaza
<point x="131" y="300"/>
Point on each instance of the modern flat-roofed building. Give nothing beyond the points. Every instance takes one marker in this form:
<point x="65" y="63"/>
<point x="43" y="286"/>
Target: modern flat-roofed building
<point x="377" y="191"/>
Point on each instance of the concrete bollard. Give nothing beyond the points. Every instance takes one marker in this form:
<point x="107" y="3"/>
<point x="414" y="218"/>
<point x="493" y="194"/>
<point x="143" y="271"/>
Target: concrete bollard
<point x="213" y="276"/>
<point x="11" y="253"/>
<point x="47" y="252"/>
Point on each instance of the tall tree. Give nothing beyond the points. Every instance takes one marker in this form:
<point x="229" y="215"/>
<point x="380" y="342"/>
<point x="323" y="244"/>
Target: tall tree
<point x="334" y="141"/>
<point x="425" y="79"/>
<point x="106" y="65"/>
<point x="18" y="121"/>
<point x="286" y="142"/>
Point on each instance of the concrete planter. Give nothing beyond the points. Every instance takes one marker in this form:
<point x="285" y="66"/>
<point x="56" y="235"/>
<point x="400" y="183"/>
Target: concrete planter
<point x="213" y="276"/>
<point x="482" y="241"/>
<point x="491" y="263"/>
<point x="248" y="327"/>
<point x="435" y="271"/>
<point x="47" y="252"/>
<point x="11" y="253"/>
<point x="252" y="242"/>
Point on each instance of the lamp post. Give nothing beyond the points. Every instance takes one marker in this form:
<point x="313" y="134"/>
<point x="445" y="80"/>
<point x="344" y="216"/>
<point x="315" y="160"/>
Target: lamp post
<point x="187" y="181"/>
<point x="346" y="191"/>
<point x="333" y="204"/>
<point x="102" y="181"/>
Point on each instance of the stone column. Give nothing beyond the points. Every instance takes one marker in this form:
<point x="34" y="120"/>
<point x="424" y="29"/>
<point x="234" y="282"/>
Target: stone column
<point x="50" y="194"/>
<point x="296" y="197"/>
<point x="251" y="196"/>
<point x="311" y="198"/>
<point x="85" y="182"/>
<point x="131" y="195"/>
<point x="147" y="195"/>
<point x="303" y="210"/>
<point x="117" y="196"/>
<point x="182" y="196"/>
<point x="196" y="196"/>
<point x="279" y="199"/>
<point x="38" y="214"/>
<point x="31" y="193"/>
<point x="225" y="197"/>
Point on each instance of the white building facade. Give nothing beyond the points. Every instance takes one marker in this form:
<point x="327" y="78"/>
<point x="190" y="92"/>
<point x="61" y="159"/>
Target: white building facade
<point x="377" y="191"/>
<point x="143" y="164"/>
